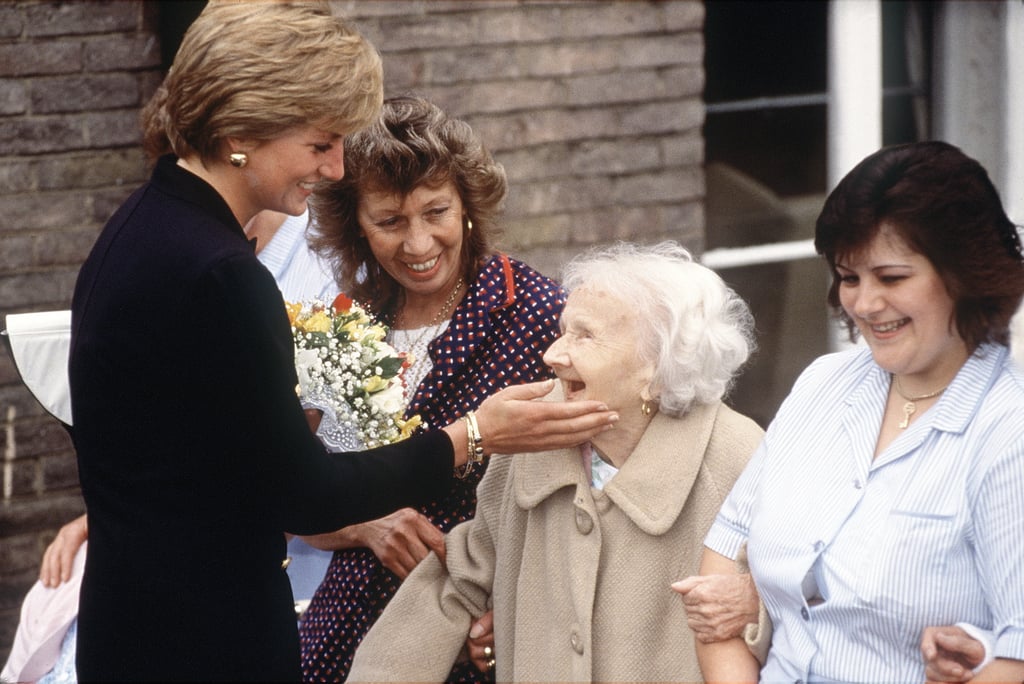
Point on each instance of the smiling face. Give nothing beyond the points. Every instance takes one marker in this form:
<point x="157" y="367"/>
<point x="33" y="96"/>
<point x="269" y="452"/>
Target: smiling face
<point x="596" y="356"/>
<point x="901" y="307"/>
<point x="281" y="173"/>
<point x="417" y="239"/>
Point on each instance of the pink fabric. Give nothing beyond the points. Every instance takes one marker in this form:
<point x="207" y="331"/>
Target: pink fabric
<point x="46" y="615"/>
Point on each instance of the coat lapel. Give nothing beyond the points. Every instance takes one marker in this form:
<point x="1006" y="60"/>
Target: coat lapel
<point x="653" y="485"/>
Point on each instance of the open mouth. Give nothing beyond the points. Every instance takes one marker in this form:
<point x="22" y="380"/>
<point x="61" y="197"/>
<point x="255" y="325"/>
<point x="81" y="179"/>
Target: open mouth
<point x="890" y="326"/>
<point x="424" y="266"/>
<point x="573" y="388"/>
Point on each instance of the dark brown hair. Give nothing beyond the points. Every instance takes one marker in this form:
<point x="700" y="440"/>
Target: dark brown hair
<point x="943" y="205"/>
<point x="413" y="143"/>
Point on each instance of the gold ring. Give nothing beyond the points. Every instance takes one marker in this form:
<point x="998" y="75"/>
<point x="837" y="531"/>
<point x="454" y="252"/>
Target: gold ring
<point x="488" y="652"/>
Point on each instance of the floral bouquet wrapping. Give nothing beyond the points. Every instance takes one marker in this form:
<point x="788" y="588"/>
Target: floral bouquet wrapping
<point x="349" y="372"/>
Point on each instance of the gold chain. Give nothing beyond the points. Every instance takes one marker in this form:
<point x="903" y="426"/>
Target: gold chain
<point x="441" y="315"/>
<point x="909" y="408"/>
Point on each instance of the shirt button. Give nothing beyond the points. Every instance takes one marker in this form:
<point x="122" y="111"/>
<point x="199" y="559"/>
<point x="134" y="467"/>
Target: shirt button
<point x="804" y="614"/>
<point x="819" y="545"/>
<point x="857" y="484"/>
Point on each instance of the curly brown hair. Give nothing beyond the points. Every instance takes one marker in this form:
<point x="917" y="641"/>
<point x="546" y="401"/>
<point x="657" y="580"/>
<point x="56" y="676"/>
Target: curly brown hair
<point x="414" y="143"/>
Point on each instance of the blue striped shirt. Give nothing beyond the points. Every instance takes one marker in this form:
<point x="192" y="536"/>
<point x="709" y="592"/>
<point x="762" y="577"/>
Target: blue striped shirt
<point x="299" y="272"/>
<point x="855" y="556"/>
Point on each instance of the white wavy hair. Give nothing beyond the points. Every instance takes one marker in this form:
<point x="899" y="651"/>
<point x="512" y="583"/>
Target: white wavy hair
<point x="690" y="326"/>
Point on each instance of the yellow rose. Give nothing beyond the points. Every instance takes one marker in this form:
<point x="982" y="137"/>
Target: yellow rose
<point x="374" y="333"/>
<point x="293" y="310"/>
<point x="318" y="322"/>
<point x="409" y="426"/>
<point x="375" y="384"/>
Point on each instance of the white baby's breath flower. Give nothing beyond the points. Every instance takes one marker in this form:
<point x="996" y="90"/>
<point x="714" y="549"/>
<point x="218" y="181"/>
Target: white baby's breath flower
<point x="344" y="364"/>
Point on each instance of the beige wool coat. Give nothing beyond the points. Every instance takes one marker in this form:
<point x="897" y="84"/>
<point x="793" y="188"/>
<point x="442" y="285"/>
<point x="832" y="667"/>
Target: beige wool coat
<point x="578" y="578"/>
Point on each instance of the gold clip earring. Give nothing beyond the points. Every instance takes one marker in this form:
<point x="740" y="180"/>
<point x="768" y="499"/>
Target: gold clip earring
<point x="646" y="407"/>
<point x="238" y="159"/>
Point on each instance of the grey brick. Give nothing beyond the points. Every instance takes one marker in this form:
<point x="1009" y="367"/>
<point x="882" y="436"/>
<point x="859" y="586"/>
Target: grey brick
<point x="80" y="18"/>
<point x="65" y="248"/>
<point x="30" y="58"/>
<point x="84" y="92"/>
<point x="16" y="251"/>
<point x="42" y="210"/>
<point x="112" y="129"/>
<point x="13" y="97"/>
<point x="35" y="135"/>
<point x="59" y="472"/>
<point x="122" y="52"/>
<point x="12" y="22"/>
<point x="90" y="169"/>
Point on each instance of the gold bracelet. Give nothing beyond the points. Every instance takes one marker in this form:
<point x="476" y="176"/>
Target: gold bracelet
<point x="474" y="448"/>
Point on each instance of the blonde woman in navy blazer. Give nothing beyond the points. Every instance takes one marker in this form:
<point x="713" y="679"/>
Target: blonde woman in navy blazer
<point x="194" y="453"/>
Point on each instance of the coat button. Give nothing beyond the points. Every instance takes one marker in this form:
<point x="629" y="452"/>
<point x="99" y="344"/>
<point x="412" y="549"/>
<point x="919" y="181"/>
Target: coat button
<point x="583" y="522"/>
<point x="286" y="562"/>
<point x="577" y="642"/>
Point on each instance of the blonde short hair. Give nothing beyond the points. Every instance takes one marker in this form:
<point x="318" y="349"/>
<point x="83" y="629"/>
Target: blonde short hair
<point x="254" y="70"/>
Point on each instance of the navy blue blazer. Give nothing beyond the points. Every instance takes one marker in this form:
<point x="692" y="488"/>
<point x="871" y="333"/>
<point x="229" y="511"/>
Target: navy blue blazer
<point x="194" y="453"/>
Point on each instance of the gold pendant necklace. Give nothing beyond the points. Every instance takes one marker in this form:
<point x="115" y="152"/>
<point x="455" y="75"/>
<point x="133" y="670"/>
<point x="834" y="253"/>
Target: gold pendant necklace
<point x="442" y="314"/>
<point x="910" y="407"/>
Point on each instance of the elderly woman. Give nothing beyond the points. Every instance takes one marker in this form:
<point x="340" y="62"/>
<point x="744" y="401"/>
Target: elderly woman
<point x="575" y="549"/>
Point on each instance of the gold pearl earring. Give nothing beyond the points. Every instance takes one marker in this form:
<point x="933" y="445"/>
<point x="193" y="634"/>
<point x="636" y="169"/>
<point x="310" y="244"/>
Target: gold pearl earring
<point x="238" y="159"/>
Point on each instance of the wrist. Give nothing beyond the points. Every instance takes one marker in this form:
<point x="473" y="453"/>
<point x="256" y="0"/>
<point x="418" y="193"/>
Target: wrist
<point x="474" y="446"/>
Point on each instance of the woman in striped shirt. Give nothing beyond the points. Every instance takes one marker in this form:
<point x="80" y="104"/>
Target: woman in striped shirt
<point x="888" y="493"/>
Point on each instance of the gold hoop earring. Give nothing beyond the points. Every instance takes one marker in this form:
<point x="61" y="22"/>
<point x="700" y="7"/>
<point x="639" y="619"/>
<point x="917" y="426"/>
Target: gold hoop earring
<point x="238" y="159"/>
<point x="647" y="407"/>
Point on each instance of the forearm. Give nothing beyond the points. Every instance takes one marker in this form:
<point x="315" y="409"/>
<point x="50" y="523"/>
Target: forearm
<point x="727" y="661"/>
<point x="1001" y="670"/>
<point x="392" y="651"/>
<point x="346" y="538"/>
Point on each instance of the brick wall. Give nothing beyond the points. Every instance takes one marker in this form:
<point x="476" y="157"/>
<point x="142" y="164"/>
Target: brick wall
<point x="72" y="78"/>
<point x="594" y="108"/>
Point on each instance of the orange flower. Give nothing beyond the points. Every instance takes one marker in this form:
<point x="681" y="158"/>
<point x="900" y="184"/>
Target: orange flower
<point x="342" y="303"/>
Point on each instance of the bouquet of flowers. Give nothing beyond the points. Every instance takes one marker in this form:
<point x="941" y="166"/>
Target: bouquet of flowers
<point x="349" y="372"/>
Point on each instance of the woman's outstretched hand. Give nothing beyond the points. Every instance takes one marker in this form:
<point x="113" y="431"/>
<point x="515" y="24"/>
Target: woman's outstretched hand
<point x="513" y="421"/>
